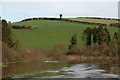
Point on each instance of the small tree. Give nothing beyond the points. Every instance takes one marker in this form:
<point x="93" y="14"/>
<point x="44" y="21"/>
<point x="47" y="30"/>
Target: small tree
<point x="86" y="37"/>
<point x="100" y="29"/>
<point x="115" y="37"/>
<point x="107" y="35"/>
<point x="7" y="36"/>
<point x="95" y="35"/>
<point x="60" y="16"/>
<point x="73" y="41"/>
<point x="103" y="35"/>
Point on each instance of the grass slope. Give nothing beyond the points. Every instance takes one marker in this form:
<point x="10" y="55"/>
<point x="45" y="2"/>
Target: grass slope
<point x="51" y="32"/>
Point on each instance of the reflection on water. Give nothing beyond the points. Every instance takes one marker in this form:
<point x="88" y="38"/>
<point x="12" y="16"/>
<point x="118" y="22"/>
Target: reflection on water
<point x="61" y="69"/>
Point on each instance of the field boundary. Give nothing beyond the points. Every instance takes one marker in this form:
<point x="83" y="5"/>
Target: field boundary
<point x="83" y="22"/>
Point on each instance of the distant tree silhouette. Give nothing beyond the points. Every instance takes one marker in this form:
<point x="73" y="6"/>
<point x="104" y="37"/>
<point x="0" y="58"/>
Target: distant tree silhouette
<point x="60" y="16"/>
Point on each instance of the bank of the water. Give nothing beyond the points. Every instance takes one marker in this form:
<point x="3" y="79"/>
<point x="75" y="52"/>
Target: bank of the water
<point x="68" y="58"/>
<point x="90" y="58"/>
<point x="61" y="69"/>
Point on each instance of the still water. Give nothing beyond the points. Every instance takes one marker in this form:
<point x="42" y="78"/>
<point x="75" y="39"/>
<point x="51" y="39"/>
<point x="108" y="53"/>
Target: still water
<point x="62" y="69"/>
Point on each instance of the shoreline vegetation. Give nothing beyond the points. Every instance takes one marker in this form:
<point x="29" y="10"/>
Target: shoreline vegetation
<point x="82" y="54"/>
<point x="13" y="52"/>
<point x="69" y="58"/>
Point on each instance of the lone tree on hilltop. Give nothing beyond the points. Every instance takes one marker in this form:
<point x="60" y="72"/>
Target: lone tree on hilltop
<point x="60" y="16"/>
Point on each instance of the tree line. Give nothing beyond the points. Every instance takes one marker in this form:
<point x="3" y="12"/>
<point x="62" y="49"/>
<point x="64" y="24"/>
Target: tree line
<point x="94" y="36"/>
<point x="7" y="35"/>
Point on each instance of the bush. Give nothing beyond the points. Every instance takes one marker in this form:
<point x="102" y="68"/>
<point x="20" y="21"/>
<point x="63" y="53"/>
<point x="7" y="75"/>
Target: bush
<point x="73" y="41"/>
<point x="78" y="50"/>
<point x="9" y="54"/>
<point x="96" y="50"/>
<point x="58" y="51"/>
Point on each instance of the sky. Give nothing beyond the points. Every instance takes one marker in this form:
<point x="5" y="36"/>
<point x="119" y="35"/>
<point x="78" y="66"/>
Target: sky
<point x="16" y="11"/>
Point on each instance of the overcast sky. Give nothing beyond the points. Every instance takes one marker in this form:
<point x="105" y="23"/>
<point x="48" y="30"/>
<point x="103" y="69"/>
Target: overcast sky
<point x="16" y="11"/>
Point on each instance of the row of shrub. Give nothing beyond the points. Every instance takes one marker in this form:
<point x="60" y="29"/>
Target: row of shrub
<point x="68" y="20"/>
<point x="99" y="18"/>
<point x="21" y="27"/>
<point x="115" y="24"/>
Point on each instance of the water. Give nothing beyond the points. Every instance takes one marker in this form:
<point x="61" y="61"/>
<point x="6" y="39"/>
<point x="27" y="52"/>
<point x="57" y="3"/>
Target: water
<point x="61" y="69"/>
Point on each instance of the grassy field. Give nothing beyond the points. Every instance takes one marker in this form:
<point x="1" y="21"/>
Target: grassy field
<point x="49" y="33"/>
<point x="94" y="20"/>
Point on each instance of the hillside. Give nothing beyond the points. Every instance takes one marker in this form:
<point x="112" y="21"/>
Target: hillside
<point x="50" y="32"/>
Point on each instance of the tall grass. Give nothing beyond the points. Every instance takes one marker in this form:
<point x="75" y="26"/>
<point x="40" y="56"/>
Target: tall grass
<point x="12" y="55"/>
<point x="59" y="52"/>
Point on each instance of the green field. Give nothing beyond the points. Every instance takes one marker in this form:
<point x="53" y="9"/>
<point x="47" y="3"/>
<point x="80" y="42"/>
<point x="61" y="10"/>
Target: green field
<point x="51" y="32"/>
<point x="94" y="20"/>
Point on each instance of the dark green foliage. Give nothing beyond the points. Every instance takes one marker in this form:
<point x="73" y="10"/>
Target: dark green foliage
<point x="73" y="41"/>
<point x="87" y="36"/>
<point x="98" y="35"/>
<point x="5" y="32"/>
<point x="95" y="36"/>
<point x="7" y="36"/>
<point x="107" y="35"/>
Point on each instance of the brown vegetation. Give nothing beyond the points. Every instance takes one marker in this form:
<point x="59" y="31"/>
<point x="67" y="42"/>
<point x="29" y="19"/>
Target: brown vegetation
<point x="96" y="50"/>
<point x="58" y="52"/>
<point x="115" y="24"/>
<point x="9" y="54"/>
<point x="12" y="55"/>
<point x="80" y="53"/>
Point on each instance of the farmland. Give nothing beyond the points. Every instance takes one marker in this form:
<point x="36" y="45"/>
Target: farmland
<point x="49" y="33"/>
<point x="94" y="20"/>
